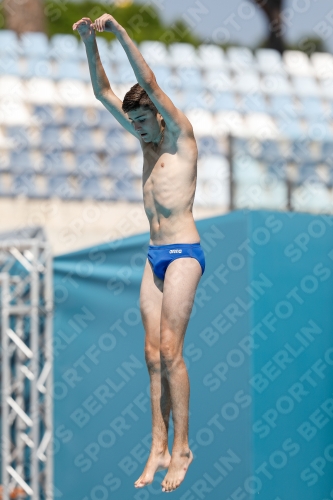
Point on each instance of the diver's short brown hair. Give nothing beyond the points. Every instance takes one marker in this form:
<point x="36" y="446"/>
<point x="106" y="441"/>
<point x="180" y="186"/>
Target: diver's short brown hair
<point x="136" y="97"/>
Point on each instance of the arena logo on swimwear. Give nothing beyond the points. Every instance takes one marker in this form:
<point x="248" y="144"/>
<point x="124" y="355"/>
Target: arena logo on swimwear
<point x="176" y="251"/>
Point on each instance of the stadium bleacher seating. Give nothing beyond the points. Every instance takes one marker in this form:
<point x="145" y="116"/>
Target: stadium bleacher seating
<point x="56" y="138"/>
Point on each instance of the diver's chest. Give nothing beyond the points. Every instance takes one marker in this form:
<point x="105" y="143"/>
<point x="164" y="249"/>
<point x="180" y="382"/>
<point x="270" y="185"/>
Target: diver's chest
<point x="162" y="176"/>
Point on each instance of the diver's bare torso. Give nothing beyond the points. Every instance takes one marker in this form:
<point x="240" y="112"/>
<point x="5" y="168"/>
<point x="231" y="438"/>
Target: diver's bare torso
<point x="169" y="182"/>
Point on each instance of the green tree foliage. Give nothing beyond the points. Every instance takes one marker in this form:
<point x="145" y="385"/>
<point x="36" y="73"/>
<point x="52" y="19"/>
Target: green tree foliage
<point x="142" y="22"/>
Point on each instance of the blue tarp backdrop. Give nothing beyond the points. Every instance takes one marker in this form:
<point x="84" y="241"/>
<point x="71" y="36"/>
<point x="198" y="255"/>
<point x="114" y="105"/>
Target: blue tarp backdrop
<point x="259" y="352"/>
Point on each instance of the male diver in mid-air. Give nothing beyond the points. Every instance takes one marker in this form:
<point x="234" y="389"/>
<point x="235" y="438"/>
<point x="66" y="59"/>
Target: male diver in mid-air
<point x="175" y="260"/>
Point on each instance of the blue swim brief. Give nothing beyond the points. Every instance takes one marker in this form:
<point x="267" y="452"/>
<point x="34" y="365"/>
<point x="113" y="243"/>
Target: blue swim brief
<point x="160" y="256"/>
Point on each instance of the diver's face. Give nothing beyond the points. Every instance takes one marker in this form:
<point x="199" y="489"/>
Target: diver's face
<point x="146" y="124"/>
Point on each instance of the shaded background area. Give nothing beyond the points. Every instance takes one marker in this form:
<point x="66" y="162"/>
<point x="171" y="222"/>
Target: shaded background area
<point x="276" y="24"/>
<point x="252" y="335"/>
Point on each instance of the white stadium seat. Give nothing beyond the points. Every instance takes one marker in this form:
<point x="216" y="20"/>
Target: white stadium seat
<point x="35" y="44"/>
<point x="263" y="193"/>
<point x="261" y="126"/>
<point x="258" y="99"/>
<point x="203" y="122"/>
<point x="212" y="192"/>
<point x="13" y="112"/>
<point x="218" y="80"/>
<point x="314" y="197"/>
<point x="241" y="59"/>
<point x="276" y="84"/>
<point x="183" y="54"/>
<point x="229" y="122"/>
<point x="155" y="53"/>
<point x="246" y="84"/>
<point x="297" y="63"/>
<point x="212" y="167"/>
<point x="72" y="93"/>
<point x="11" y="86"/>
<point x="269" y="61"/>
<point x="211" y="56"/>
<point x="323" y="65"/>
<point x="305" y="86"/>
<point x="41" y="91"/>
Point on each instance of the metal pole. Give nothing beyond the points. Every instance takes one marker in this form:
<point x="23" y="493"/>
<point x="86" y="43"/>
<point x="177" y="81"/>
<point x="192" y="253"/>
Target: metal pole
<point x="49" y="381"/>
<point x="5" y="389"/>
<point x="34" y="400"/>
<point x="231" y="180"/>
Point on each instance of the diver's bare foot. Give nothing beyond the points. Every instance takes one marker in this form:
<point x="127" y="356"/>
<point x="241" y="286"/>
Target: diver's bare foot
<point x="156" y="462"/>
<point x="179" y="465"/>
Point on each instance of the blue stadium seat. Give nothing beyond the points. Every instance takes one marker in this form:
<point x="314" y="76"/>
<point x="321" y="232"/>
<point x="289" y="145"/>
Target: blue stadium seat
<point x="50" y="138"/>
<point x="189" y="78"/>
<point x="54" y="164"/>
<point x="23" y="184"/>
<point x="37" y="67"/>
<point x="223" y="101"/>
<point x="9" y="65"/>
<point x="290" y="128"/>
<point x="4" y="188"/>
<point x="162" y="73"/>
<point x="246" y="168"/>
<point x="20" y="161"/>
<point x="104" y="50"/>
<point x="318" y="129"/>
<point x="91" y="187"/>
<point x="74" y="116"/>
<point x="253" y="103"/>
<point x="60" y="185"/>
<point x="116" y="142"/>
<point x="312" y="107"/>
<point x="64" y="47"/>
<point x="208" y="145"/>
<point x="34" y="44"/>
<point x="330" y="177"/>
<point x="277" y="168"/>
<point x="117" y="53"/>
<point x="283" y="105"/>
<point x="126" y="190"/>
<point x="87" y="164"/>
<point x="307" y="173"/>
<point x="107" y="121"/>
<point x="45" y="114"/>
<point x="270" y="151"/>
<point x="300" y="150"/>
<point x="70" y="69"/>
<point x="327" y="151"/>
<point x="20" y="136"/>
<point x="193" y="98"/>
<point x="83" y="140"/>
<point x="123" y="74"/>
<point x="118" y="167"/>
<point x="241" y="145"/>
<point x="9" y="42"/>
